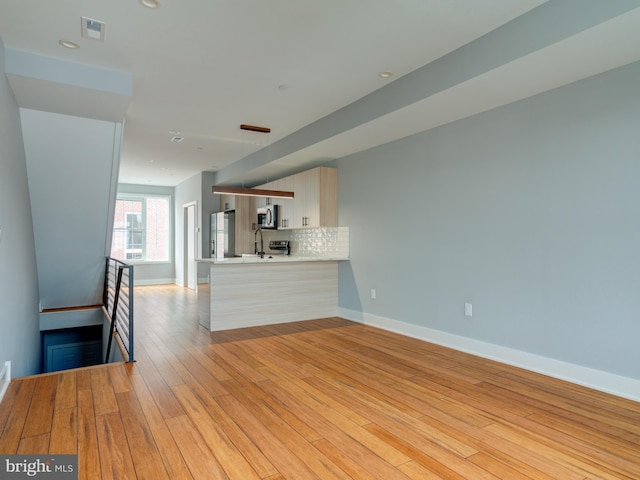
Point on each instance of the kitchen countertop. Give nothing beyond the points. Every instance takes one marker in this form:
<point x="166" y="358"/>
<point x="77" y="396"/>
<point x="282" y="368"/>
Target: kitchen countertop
<point x="269" y="259"/>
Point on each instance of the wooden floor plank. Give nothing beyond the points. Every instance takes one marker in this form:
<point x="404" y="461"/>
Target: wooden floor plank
<point x="231" y="460"/>
<point x="356" y="442"/>
<point x="88" y="455"/>
<point x="115" y="457"/>
<point x="83" y="379"/>
<point x="64" y="431"/>
<point x="35" y="445"/>
<point x="243" y="443"/>
<point x="338" y="455"/>
<point x="322" y="399"/>
<point x="119" y="378"/>
<point x="495" y="467"/>
<point x="195" y="368"/>
<point x="286" y="434"/>
<point x="266" y="440"/>
<point x="16" y="408"/>
<point x="171" y="456"/>
<point x="164" y="367"/>
<point x="8" y="403"/>
<point x="104" y="398"/>
<point x="40" y="413"/>
<point x="144" y="451"/>
<point x="556" y="453"/>
<point x="200" y="460"/>
<point x="66" y="390"/>
<point x="163" y="396"/>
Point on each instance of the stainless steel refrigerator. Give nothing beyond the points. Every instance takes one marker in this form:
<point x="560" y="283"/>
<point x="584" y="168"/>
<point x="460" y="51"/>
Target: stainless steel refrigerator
<point x="223" y="234"/>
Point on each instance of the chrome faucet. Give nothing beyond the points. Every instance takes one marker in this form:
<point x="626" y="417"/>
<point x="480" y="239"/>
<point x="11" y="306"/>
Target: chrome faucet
<point x="255" y="243"/>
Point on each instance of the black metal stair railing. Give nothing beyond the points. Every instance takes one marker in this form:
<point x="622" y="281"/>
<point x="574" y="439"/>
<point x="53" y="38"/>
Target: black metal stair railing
<point x="118" y="304"/>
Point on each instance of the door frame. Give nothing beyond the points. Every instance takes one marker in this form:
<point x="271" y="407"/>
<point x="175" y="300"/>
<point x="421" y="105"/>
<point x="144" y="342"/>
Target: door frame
<point x="186" y="244"/>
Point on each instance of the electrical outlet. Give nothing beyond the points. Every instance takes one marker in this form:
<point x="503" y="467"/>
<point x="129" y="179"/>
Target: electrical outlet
<point x="373" y="294"/>
<point x="468" y="310"/>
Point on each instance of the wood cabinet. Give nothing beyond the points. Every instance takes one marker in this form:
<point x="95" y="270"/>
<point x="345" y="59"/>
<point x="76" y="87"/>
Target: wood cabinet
<point x="245" y="208"/>
<point x="316" y="198"/>
<point x="285" y="205"/>
<point x="265" y="201"/>
<point x="315" y="203"/>
<point x="227" y="202"/>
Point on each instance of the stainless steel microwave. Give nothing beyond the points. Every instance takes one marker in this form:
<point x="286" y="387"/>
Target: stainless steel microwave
<point x="268" y="217"/>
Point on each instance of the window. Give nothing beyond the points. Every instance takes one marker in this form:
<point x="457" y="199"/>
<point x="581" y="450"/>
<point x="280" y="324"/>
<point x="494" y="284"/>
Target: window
<point x="141" y="228"/>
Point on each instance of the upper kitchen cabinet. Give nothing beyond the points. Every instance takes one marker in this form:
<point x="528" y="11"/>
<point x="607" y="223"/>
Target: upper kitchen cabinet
<point x="316" y="198"/>
<point x="315" y="203"/>
<point x="265" y="201"/>
<point x="227" y="202"/>
<point x="285" y="205"/>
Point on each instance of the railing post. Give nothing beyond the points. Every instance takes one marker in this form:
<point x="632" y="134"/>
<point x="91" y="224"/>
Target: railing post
<point x="105" y="293"/>
<point x="113" y="315"/>
<point x="131" y="334"/>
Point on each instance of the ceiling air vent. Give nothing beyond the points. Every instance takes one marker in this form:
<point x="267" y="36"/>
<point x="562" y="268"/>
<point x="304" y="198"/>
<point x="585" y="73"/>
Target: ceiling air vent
<point x="176" y="139"/>
<point x="93" y="29"/>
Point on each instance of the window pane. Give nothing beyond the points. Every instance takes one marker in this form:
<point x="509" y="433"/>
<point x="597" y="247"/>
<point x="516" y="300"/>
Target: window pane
<point x="118" y="244"/>
<point x="157" y="229"/>
<point x="134" y="220"/>
<point x="141" y="229"/>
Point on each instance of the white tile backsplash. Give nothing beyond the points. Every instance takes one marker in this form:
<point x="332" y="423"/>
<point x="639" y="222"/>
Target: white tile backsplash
<point x="315" y="242"/>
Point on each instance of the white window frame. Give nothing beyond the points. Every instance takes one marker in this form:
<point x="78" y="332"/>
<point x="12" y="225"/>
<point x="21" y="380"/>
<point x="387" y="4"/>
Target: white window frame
<point x="143" y="198"/>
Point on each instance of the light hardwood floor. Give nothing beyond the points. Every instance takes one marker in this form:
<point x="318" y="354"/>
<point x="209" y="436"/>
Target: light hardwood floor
<point x="313" y="400"/>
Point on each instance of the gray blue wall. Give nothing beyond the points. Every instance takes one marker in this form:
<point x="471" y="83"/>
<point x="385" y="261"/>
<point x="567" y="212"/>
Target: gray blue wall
<point x="531" y="212"/>
<point x="195" y="189"/>
<point x="72" y="169"/>
<point x="19" y="322"/>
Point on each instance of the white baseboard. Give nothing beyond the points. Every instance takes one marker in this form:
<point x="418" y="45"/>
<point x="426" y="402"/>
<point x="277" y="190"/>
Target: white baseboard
<point x="585" y="376"/>
<point x="154" y="281"/>
<point x="5" y="379"/>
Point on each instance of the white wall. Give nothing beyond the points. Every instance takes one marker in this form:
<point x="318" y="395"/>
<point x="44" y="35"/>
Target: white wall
<point x="72" y="169"/>
<point x="19" y="322"/>
<point x="531" y="212"/>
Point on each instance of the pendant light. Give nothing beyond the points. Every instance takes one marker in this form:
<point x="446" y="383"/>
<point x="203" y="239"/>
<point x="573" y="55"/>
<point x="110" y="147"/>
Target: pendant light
<point x="252" y="192"/>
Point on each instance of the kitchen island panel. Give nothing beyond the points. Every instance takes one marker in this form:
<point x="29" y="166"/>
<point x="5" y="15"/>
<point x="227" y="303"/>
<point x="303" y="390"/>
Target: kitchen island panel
<point x="246" y="295"/>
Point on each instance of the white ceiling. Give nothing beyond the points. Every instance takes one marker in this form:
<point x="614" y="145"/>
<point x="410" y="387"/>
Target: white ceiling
<point x="203" y="67"/>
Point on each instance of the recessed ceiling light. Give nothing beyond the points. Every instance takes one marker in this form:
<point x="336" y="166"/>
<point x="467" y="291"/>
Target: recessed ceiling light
<point x="174" y="132"/>
<point x="68" y="44"/>
<point x="385" y="74"/>
<point x="176" y="139"/>
<point x="150" y="3"/>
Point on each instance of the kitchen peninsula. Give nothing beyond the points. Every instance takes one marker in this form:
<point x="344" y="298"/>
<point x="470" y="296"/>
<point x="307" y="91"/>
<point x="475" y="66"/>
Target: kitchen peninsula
<point x="297" y="278"/>
<point x="250" y="291"/>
